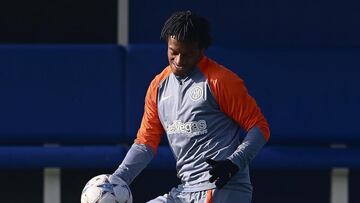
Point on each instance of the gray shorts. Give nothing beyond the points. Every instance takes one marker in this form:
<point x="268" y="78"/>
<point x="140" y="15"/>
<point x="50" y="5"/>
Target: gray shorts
<point x="209" y="196"/>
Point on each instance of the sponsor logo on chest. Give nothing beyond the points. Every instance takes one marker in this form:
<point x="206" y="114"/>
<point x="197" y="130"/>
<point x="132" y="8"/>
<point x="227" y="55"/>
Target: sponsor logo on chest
<point x="190" y="128"/>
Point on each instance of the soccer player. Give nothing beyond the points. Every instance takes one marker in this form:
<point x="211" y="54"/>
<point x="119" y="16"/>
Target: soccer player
<point x="201" y="106"/>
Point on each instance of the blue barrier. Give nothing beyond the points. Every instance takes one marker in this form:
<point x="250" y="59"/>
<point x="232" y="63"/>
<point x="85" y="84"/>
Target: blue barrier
<point x="89" y="96"/>
<point x="309" y="96"/>
<point x="306" y="157"/>
<point x="61" y="93"/>
<point x="65" y="157"/>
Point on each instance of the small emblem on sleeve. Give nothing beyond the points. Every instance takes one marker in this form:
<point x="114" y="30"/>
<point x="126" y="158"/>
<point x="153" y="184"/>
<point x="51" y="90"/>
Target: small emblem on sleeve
<point x="196" y="93"/>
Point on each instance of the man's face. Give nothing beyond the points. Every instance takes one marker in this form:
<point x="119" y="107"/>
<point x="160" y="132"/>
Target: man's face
<point x="183" y="57"/>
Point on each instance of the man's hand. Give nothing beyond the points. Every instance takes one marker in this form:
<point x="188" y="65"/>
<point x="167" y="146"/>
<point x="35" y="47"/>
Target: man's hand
<point x="221" y="171"/>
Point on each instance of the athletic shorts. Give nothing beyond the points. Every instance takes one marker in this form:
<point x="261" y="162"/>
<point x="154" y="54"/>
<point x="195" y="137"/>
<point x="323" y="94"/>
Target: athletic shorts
<point x="209" y="196"/>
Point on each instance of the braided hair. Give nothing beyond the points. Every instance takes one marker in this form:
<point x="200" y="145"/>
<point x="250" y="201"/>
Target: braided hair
<point x="185" y="26"/>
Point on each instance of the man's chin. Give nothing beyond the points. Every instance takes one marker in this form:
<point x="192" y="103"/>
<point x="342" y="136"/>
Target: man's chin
<point x="178" y="72"/>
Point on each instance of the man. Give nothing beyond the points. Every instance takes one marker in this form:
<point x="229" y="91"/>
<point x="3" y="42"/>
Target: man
<point x="202" y="107"/>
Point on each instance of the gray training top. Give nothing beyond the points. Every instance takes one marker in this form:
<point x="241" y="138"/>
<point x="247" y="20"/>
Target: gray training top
<point x="202" y="116"/>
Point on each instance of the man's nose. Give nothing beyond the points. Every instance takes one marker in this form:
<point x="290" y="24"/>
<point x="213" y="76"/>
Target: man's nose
<point x="179" y="59"/>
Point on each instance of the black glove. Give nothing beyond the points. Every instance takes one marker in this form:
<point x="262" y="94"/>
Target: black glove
<point x="221" y="171"/>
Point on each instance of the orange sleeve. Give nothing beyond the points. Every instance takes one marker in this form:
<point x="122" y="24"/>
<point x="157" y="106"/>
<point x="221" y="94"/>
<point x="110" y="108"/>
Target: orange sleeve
<point x="151" y="130"/>
<point x="233" y="98"/>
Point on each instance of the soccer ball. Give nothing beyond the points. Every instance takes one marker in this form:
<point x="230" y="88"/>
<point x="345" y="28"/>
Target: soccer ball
<point x="100" y="189"/>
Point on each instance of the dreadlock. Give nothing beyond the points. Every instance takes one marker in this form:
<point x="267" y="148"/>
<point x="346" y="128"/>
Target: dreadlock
<point x="186" y="26"/>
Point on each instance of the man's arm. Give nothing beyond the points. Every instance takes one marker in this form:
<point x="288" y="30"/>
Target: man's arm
<point x="147" y="140"/>
<point x="249" y="148"/>
<point x="223" y="170"/>
<point x="135" y="161"/>
<point x="242" y="108"/>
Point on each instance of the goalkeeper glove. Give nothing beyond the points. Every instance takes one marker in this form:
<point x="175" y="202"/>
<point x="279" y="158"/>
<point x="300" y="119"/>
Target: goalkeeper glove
<point x="221" y="171"/>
